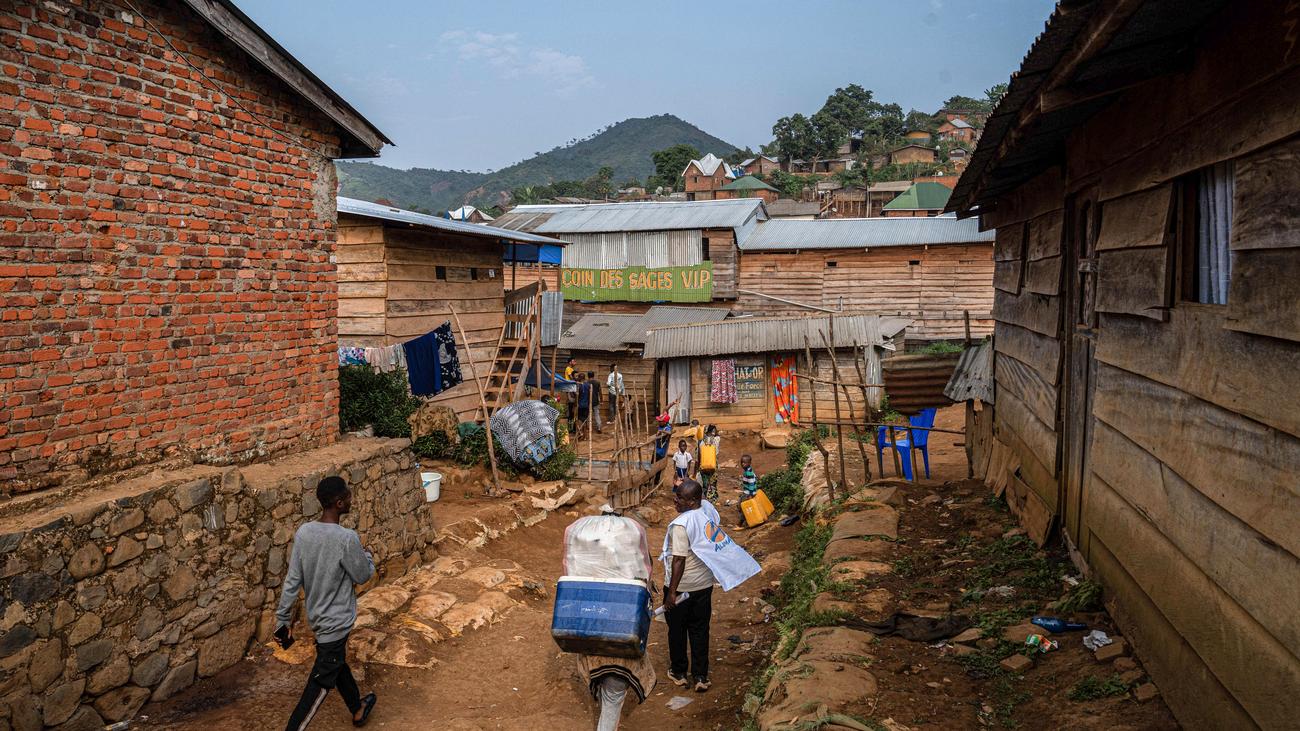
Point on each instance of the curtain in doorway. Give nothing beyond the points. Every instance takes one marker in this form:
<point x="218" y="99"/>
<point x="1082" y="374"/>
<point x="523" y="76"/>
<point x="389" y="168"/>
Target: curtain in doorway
<point x="1213" y="233"/>
<point x="785" y="390"/>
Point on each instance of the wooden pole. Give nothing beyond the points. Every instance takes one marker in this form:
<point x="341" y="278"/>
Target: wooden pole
<point x="537" y="321"/>
<point x="857" y="433"/>
<point x="893" y="443"/>
<point x="966" y="317"/>
<point x="866" y="411"/>
<point x="817" y="437"/>
<point x="591" y="450"/>
<point x="482" y="402"/>
<point x="835" y="393"/>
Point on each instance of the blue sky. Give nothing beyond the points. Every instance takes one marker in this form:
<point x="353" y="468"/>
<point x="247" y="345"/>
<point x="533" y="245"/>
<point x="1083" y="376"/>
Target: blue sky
<point x="480" y="85"/>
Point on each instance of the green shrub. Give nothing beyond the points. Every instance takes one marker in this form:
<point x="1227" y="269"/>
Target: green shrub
<point x="1092" y="688"/>
<point x="784" y="489"/>
<point x="367" y="396"/>
<point x="941" y="348"/>
<point x="555" y="467"/>
<point x="433" y="446"/>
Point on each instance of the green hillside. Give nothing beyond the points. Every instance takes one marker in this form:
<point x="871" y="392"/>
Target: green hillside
<point x="625" y="147"/>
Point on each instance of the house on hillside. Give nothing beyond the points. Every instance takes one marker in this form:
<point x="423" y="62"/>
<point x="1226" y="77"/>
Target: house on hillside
<point x="1141" y="177"/>
<point x="400" y="274"/>
<point x="740" y="373"/>
<point x="470" y="214"/>
<point x="928" y="270"/>
<point x="625" y="257"/>
<point x="748" y="187"/>
<point x="918" y="136"/>
<point x="703" y="177"/>
<point x="908" y="154"/>
<point x="881" y="193"/>
<point x="958" y="130"/>
<point x="761" y="165"/>
<point x="597" y="340"/>
<point x="920" y="199"/>
<point x="793" y="209"/>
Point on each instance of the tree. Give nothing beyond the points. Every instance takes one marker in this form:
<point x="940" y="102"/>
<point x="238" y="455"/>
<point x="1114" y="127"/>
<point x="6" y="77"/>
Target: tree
<point x="967" y="104"/>
<point x="918" y="120"/>
<point x="793" y="137"/>
<point x="826" y="134"/>
<point x="853" y="107"/>
<point x="994" y="94"/>
<point x="669" y="164"/>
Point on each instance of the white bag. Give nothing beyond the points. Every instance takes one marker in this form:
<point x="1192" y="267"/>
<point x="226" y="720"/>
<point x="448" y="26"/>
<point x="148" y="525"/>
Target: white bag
<point x="607" y="547"/>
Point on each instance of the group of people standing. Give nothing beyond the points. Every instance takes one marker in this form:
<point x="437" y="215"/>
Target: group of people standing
<point x="585" y="403"/>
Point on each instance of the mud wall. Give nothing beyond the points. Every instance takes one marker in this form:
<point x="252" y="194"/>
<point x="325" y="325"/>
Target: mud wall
<point x="166" y="577"/>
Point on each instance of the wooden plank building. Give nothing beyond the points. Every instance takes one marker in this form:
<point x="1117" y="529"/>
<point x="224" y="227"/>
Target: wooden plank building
<point x="400" y="274"/>
<point x="1141" y="174"/>
<point x="928" y="270"/>
<point x="685" y="355"/>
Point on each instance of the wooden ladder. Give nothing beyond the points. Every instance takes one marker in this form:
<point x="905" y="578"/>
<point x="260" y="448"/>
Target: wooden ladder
<point x="518" y="346"/>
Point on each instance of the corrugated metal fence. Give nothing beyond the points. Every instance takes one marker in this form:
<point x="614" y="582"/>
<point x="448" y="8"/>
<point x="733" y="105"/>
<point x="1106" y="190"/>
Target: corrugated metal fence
<point x="652" y="249"/>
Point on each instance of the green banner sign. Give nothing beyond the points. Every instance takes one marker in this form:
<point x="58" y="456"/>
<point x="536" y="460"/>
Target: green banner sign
<point x="639" y="284"/>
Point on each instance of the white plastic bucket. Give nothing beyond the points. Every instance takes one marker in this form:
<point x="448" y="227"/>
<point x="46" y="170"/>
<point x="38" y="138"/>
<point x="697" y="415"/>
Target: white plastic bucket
<point x="432" y="482"/>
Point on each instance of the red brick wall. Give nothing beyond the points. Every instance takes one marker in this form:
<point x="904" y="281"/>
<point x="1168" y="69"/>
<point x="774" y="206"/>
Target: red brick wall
<point x="165" y="274"/>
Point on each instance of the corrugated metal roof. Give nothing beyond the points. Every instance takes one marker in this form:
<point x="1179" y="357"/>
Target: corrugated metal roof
<point x="858" y="233"/>
<point x="921" y="197"/>
<point x="709" y="165"/>
<point x="621" y="332"/>
<point x="633" y="216"/>
<point x="769" y="335"/>
<point x="973" y="376"/>
<point x="788" y="207"/>
<point x="388" y="213"/>
<point x="890" y="186"/>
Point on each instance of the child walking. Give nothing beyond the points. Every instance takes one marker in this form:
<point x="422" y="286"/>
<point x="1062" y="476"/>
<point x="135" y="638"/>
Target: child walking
<point x="708" y="462"/>
<point x="748" y="484"/>
<point x="682" y="460"/>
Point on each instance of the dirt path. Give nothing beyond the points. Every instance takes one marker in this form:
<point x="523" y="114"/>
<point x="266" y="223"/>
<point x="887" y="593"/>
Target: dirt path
<point x="510" y="675"/>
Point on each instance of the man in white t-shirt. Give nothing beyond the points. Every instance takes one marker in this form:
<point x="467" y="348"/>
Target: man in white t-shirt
<point x="688" y="619"/>
<point x="617" y="392"/>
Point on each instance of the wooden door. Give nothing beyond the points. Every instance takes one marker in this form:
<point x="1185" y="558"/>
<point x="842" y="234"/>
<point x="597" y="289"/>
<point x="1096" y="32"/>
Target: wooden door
<point x="1080" y="340"/>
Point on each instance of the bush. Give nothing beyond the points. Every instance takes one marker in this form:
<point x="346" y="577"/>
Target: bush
<point x="941" y="347"/>
<point x="433" y="446"/>
<point x="368" y="397"/>
<point x="784" y="489"/>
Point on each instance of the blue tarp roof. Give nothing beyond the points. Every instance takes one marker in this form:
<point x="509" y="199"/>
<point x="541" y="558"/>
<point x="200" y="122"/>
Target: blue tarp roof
<point x="533" y="253"/>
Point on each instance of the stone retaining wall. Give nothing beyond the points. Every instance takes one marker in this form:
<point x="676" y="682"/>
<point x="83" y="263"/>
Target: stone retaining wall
<point x="110" y="601"/>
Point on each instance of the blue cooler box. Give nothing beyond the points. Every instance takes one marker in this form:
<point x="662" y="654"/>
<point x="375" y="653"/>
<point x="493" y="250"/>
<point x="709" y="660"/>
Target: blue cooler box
<point x="601" y="616"/>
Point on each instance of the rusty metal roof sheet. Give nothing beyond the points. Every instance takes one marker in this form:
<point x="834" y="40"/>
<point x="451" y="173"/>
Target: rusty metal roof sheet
<point x="916" y="381"/>
<point x="732" y="213"/>
<point x="596" y="331"/>
<point x="973" y="376"/>
<point x="388" y="213"/>
<point x="861" y="233"/>
<point x="769" y="335"/>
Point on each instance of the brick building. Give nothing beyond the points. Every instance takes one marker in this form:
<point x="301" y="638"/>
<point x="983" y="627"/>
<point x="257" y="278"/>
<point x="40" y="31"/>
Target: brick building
<point x="705" y="176"/>
<point x="167" y="219"/>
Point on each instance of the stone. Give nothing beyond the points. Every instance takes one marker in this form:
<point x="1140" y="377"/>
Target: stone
<point x="1016" y="663"/>
<point x="1145" y="692"/>
<point x="880" y="520"/>
<point x="25" y="714"/>
<point x="33" y="587"/>
<point x="151" y="620"/>
<point x="775" y="437"/>
<point x="430" y="606"/>
<point x="85" y="628"/>
<point x="859" y="570"/>
<point x="83" y="719"/>
<point x="46" y="665"/>
<point x="154" y="541"/>
<point x="121" y="704"/>
<point x="126" y="549"/>
<point x="17" y="638"/>
<point x="1021" y="632"/>
<point x="986" y="644"/>
<point x="91" y="597"/>
<point x="194" y="493"/>
<point x="384" y="599"/>
<point x="225" y="648"/>
<point x="111" y="675"/>
<point x="177" y="679"/>
<point x="93" y="653"/>
<point x="87" y="561"/>
<point x="963" y="650"/>
<point x="161" y="512"/>
<point x="1131" y="677"/>
<point x="61" y="700"/>
<point x="126" y="581"/>
<point x="826" y="602"/>
<point x="892" y="497"/>
<point x="1115" y="649"/>
<point x="64" y="613"/>
<point x="969" y="636"/>
<point x="1124" y="664"/>
<point x="123" y="522"/>
<point x="149" y="671"/>
<point x="180" y="584"/>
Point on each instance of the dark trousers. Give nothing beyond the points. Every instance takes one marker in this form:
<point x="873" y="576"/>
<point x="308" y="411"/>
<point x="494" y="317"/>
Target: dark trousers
<point x="329" y="671"/>
<point x="688" y="624"/>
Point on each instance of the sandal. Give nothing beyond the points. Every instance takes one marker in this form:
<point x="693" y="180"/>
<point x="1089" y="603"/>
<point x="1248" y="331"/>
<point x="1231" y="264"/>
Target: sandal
<point x="367" y="705"/>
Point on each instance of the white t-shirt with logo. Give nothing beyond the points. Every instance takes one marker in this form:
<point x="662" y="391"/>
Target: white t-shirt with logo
<point x="683" y="459"/>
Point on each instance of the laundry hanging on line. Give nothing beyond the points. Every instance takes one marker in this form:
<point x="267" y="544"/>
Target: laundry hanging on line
<point x="722" y="389"/>
<point x="432" y="365"/>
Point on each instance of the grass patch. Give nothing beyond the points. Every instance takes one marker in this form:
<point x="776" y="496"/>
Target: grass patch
<point x="806" y="578"/>
<point x="1086" y="597"/>
<point x="1015" y="561"/>
<point x="1091" y="688"/>
<point x="942" y="347"/>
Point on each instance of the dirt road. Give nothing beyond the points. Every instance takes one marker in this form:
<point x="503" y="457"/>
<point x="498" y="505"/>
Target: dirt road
<point x="510" y="675"/>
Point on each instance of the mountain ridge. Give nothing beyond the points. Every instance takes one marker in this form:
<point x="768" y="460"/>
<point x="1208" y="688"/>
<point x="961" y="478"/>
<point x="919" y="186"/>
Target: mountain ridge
<point x="625" y="147"/>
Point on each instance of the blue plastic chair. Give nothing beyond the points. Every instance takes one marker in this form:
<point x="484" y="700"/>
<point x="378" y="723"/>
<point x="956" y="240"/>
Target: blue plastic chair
<point x="906" y="440"/>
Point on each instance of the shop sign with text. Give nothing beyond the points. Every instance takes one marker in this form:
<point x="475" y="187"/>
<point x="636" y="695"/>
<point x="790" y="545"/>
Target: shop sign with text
<point x="639" y="284"/>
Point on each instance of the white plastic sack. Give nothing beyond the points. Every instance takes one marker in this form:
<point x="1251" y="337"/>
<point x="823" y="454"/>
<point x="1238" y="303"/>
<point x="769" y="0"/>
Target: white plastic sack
<point x="606" y="547"/>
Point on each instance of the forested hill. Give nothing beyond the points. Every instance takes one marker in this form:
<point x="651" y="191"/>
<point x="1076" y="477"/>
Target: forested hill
<point x="625" y="147"/>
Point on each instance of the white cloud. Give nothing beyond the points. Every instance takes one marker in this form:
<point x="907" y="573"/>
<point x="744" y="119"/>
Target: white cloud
<point x="563" y="73"/>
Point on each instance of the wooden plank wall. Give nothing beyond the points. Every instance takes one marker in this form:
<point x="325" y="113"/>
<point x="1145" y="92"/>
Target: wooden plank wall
<point x="747" y="413"/>
<point x="363" y="286"/>
<point x="525" y="274"/>
<point x="638" y="373"/>
<point x="1191" y="499"/>
<point x="721" y="247"/>
<point x="934" y="292"/>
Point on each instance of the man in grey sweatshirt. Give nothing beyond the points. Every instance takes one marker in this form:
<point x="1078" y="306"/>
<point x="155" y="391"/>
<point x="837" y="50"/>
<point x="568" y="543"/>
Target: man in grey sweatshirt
<point x="326" y="561"/>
